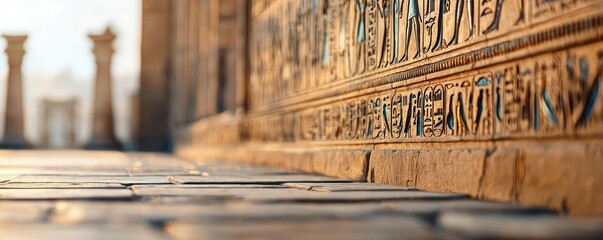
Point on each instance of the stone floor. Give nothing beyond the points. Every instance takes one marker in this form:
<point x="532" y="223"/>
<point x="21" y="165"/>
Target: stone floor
<point x="112" y="195"/>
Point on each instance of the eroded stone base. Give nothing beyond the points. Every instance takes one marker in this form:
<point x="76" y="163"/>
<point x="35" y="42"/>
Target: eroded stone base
<point x="15" y="144"/>
<point x="559" y="174"/>
<point x="103" y="144"/>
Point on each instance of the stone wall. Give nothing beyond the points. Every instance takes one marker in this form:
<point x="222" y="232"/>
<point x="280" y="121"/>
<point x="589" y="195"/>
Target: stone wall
<point x="497" y="99"/>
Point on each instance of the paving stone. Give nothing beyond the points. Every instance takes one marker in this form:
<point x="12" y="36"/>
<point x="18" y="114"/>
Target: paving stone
<point x="92" y="179"/>
<point x="373" y="228"/>
<point x="88" y="199"/>
<point x="204" y="191"/>
<point x="81" y="159"/>
<point x="254" y="179"/>
<point x="198" y="200"/>
<point x="355" y="196"/>
<point x="208" y="186"/>
<point x="461" y="205"/>
<point x="60" y="172"/>
<point x="99" y="212"/>
<point x="500" y="226"/>
<point x="92" y="232"/>
<point x="267" y="194"/>
<point x="59" y="185"/>
<point x="163" y="172"/>
<point x="345" y="187"/>
<point x="47" y="194"/>
<point x="24" y="212"/>
<point x="158" y="162"/>
<point x="234" y="168"/>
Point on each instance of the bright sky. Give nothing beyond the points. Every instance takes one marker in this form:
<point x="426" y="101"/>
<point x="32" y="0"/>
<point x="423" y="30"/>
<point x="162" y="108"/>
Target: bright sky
<point x="59" y="62"/>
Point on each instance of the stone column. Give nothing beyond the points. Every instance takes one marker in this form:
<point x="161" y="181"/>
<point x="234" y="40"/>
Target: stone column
<point x="242" y="23"/>
<point x="152" y="129"/>
<point x="103" y="130"/>
<point x="212" y="55"/>
<point x="227" y="64"/>
<point x="44" y="122"/>
<point x="72" y="115"/>
<point x="14" y="130"/>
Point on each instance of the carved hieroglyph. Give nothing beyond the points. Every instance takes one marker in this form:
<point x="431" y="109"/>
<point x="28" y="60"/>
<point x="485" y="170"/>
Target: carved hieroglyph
<point x="498" y="99"/>
<point x="370" y="71"/>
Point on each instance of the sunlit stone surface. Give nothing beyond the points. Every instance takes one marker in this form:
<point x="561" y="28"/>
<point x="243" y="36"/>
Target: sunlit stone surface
<point x="45" y="196"/>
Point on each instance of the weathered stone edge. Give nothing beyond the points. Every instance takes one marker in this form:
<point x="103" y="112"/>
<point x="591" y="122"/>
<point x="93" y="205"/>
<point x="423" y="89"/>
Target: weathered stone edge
<point x="560" y="174"/>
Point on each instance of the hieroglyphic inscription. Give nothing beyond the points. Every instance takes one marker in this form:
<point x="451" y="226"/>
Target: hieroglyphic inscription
<point x="553" y="94"/>
<point x="297" y="46"/>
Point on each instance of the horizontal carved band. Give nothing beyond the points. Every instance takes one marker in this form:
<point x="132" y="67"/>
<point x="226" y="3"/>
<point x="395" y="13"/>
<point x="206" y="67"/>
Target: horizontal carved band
<point x="279" y="77"/>
<point x="553" y="94"/>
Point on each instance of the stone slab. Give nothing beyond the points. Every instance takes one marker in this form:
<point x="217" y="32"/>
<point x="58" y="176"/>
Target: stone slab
<point x="24" y="212"/>
<point x="92" y="179"/>
<point x="64" y="159"/>
<point x="163" y="172"/>
<point x="462" y="205"/>
<point x="60" y="185"/>
<point x="245" y="168"/>
<point x="83" y="207"/>
<point x="60" y="172"/>
<point x="91" y="231"/>
<point x="245" y="179"/>
<point x="292" y="195"/>
<point x="425" y="169"/>
<point x="202" y="186"/>
<point x="49" y="194"/>
<point x="345" y="187"/>
<point x="99" y="212"/>
<point x="501" y="226"/>
<point x="348" y="229"/>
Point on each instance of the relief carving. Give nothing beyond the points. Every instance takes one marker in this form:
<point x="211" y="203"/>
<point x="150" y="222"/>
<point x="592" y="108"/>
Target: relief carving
<point x="548" y="95"/>
<point x="315" y="44"/>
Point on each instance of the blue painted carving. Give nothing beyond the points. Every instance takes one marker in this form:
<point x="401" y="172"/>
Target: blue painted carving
<point x="439" y="43"/>
<point x="480" y="109"/>
<point x="450" y="115"/>
<point x="536" y="119"/>
<point x="361" y="34"/>
<point x="496" y="21"/>
<point x="459" y="17"/>
<point x="550" y="112"/>
<point x="385" y="13"/>
<point x="462" y="110"/>
<point x="498" y="97"/>
<point x="325" y="35"/>
<point x="594" y="93"/>
<point x="397" y="14"/>
<point x="482" y="81"/>
<point x="413" y="20"/>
